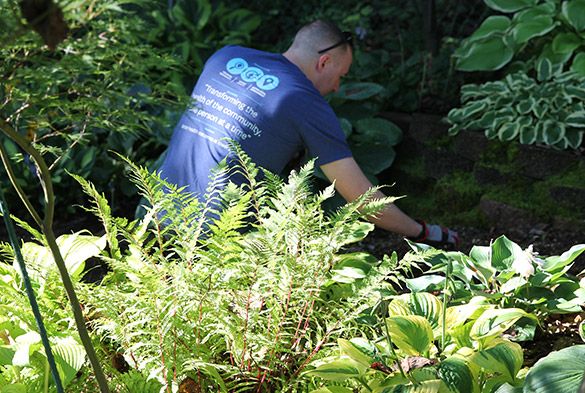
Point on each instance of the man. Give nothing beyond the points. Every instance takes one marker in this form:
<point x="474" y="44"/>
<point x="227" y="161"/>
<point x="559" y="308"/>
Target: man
<point x="273" y="106"/>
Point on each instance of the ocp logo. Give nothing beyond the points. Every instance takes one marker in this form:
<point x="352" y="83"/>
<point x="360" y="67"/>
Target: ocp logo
<point x="268" y="82"/>
<point x="251" y="74"/>
<point x="236" y="65"/>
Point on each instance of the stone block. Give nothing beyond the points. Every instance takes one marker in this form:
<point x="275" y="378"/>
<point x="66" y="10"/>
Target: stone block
<point x="571" y="195"/>
<point x="427" y="128"/>
<point x="470" y="144"/>
<point x="540" y="162"/>
<point x="488" y="176"/>
<point x="439" y="163"/>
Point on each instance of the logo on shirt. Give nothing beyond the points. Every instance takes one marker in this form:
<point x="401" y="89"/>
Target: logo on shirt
<point x="239" y="66"/>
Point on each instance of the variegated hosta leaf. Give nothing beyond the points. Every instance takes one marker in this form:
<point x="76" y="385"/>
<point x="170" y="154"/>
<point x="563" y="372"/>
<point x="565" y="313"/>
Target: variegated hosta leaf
<point x="412" y="334"/>
<point x="492" y="323"/>
<point x="501" y="356"/>
<point x="561" y="371"/>
<point x="337" y="371"/>
<point x="359" y="349"/>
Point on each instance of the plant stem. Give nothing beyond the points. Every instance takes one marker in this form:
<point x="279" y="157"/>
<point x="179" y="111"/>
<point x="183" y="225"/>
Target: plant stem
<point x="47" y="229"/>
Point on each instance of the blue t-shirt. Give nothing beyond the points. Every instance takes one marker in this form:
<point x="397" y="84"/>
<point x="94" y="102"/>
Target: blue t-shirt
<point x="263" y="102"/>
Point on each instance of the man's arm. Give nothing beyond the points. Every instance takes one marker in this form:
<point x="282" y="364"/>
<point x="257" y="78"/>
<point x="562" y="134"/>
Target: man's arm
<point x="351" y="182"/>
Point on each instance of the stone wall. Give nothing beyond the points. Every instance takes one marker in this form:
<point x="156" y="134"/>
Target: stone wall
<point x="426" y="139"/>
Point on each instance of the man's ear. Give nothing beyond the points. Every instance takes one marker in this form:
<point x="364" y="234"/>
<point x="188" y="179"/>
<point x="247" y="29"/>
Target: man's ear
<point x="324" y="59"/>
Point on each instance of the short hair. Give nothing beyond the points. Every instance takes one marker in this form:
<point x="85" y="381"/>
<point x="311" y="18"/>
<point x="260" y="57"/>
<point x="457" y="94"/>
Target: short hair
<point x="319" y="34"/>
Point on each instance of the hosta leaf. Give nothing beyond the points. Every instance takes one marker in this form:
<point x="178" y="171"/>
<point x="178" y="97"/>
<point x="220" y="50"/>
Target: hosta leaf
<point x="15" y="388"/>
<point x="566" y="42"/>
<point x="471" y="92"/>
<point x="553" y="132"/>
<point x="509" y="5"/>
<point x="561" y="371"/>
<point x="555" y="58"/>
<point x="473" y="110"/>
<point x="487" y="55"/>
<point x="525" y="106"/>
<point x="574" y="137"/>
<point x="491" y="25"/>
<point x="533" y="12"/>
<point x="426" y="305"/>
<point x="508" y="131"/>
<point x="502" y="357"/>
<point x="359" y="349"/>
<point x="576" y="91"/>
<point x="544" y="69"/>
<point x="410" y="333"/>
<point x="333" y="389"/>
<point x="373" y="158"/>
<point x="576" y="119"/>
<point x="378" y="131"/>
<point x="528" y="135"/>
<point x="456" y="373"/>
<point x="358" y="90"/>
<point x="337" y="371"/>
<point x="536" y="27"/>
<point x="554" y="263"/>
<point x="428" y="386"/>
<point x="346" y="127"/>
<point x="579" y="64"/>
<point x="540" y="109"/>
<point x="494" y="322"/>
<point x="69" y="357"/>
<point x="574" y="13"/>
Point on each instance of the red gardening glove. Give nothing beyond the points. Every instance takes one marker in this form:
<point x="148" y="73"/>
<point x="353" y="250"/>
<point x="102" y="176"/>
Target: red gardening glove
<point x="436" y="236"/>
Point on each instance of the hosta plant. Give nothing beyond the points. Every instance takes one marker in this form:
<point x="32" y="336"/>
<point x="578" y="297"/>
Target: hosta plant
<point x="547" y="109"/>
<point x="535" y="30"/>
<point x="507" y="276"/>
<point x="426" y="346"/>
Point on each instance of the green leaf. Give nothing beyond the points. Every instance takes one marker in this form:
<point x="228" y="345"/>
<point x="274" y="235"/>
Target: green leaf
<point x="425" y="283"/>
<point x="358" y="90"/>
<point x="536" y="27"/>
<point x="473" y="110"/>
<point x="77" y="248"/>
<point x="561" y="371"/>
<point x="508" y="131"/>
<point x="359" y="349"/>
<point x="492" y="323"/>
<point x="377" y="131"/>
<point x="574" y="13"/>
<point x="332" y="389"/>
<point x="337" y="371"/>
<point x="544" y="69"/>
<point x="574" y="137"/>
<point x="14" y="388"/>
<point x="509" y="5"/>
<point x="576" y="119"/>
<point x="533" y="12"/>
<point x="566" y="42"/>
<point x="425" y="305"/>
<point x="502" y="357"/>
<point x="491" y="25"/>
<point x="69" y="357"/>
<point x="555" y="263"/>
<point x="528" y="135"/>
<point x="579" y="64"/>
<point x="412" y="334"/>
<point x="487" y="55"/>
<point x="373" y="158"/>
<point x="346" y="127"/>
<point x="455" y="372"/>
<point x="553" y="132"/>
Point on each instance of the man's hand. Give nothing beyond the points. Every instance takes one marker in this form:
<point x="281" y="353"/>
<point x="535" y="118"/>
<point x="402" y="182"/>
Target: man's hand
<point x="436" y="236"/>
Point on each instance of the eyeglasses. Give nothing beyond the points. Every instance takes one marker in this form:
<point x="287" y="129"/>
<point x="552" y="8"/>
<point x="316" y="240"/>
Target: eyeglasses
<point x="346" y="38"/>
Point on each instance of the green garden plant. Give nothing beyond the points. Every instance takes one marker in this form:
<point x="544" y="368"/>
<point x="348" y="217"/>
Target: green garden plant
<point x="538" y="29"/>
<point x="547" y="109"/>
<point x="428" y="347"/>
<point x="507" y="276"/>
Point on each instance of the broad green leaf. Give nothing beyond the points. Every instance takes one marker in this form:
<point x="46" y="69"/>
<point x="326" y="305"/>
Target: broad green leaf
<point x="346" y="127"/>
<point x="358" y="90"/>
<point x="574" y="13"/>
<point x="555" y="58"/>
<point x="425" y="283"/>
<point x="494" y="322"/>
<point x="77" y="248"/>
<point x="500" y="356"/>
<point x="373" y="158"/>
<point x="561" y="371"/>
<point x="533" y="12"/>
<point x="458" y="315"/>
<point x="536" y="27"/>
<point x="504" y="252"/>
<point x="377" y="131"/>
<point x="509" y="5"/>
<point x="426" y="305"/>
<point x="525" y="106"/>
<point x="14" y="388"/>
<point x="410" y="333"/>
<point x="456" y="374"/>
<point x="337" y="371"/>
<point x="579" y="64"/>
<point x="69" y="357"/>
<point x="359" y="349"/>
<point x="553" y="132"/>
<point x="528" y="135"/>
<point x="574" y="137"/>
<point x="508" y="131"/>
<point x="473" y="110"/>
<point x="491" y="25"/>
<point x="332" y="389"/>
<point x="6" y="354"/>
<point x="566" y="42"/>
<point x="576" y="91"/>
<point x="487" y="55"/>
<point x="398" y="306"/>
<point x="481" y="262"/>
<point x="544" y="69"/>
<point x="576" y="119"/>
<point x="554" y="263"/>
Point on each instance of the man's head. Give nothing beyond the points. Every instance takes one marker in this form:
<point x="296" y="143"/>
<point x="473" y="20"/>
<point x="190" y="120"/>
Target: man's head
<point x="323" y="52"/>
